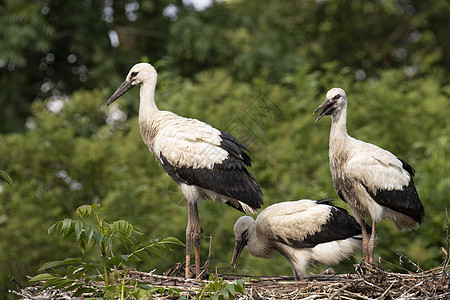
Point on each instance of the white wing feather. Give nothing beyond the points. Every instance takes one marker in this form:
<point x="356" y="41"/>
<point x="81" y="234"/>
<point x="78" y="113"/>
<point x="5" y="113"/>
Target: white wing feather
<point x="292" y="219"/>
<point x="377" y="168"/>
<point x="189" y="143"/>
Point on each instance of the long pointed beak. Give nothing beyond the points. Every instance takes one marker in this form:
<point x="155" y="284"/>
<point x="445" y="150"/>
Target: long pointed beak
<point x="327" y="106"/>
<point x="238" y="247"/>
<point x="123" y="88"/>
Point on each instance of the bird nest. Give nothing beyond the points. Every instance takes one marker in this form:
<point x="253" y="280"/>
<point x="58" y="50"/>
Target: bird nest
<point x="378" y="284"/>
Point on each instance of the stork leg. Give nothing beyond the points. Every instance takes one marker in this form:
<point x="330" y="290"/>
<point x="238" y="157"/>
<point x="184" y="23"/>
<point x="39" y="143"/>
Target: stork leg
<point x="193" y="234"/>
<point x="365" y="240"/>
<point x="371" y="245"/>
<point x="188" y="242"/>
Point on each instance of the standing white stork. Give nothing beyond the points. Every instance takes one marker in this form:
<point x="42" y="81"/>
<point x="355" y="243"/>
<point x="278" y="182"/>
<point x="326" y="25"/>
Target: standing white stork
<point x="203" y="161"/>
<point x="303" y="231"/>
<point x="375" y="183"/>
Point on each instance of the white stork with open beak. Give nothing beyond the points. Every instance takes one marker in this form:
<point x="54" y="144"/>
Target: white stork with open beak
<point x="374" y="183"/>
<point x="303" y="231"/>
<point x="203" y="161"/>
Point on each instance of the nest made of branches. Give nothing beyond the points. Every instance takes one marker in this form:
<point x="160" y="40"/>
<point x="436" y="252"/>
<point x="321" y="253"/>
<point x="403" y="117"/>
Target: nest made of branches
<point x="379" y="284"/>
<point x="375" y="283"/>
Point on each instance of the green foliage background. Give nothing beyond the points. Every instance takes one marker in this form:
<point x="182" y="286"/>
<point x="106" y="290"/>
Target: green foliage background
<point x="256" y="69"/>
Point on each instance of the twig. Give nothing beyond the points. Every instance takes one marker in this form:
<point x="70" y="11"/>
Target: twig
<point x="347" y="285"/>
<point x="16" y="282"/>
<point x="208" y="260"/>
<point x="354" y="296"/>
<point x="386" y="291"/>
<point x="374" y="285"/>
<point x="419" y="269"/>
<point x="417" y="285"/>
<point x="448" y="252"/>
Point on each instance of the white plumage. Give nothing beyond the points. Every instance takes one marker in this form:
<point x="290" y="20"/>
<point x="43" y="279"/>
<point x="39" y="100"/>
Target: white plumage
<point x="188" y="142"/>
<point x="205" y="162"/>
<point x="303" y="231"/>
<point x="375" y="183"/>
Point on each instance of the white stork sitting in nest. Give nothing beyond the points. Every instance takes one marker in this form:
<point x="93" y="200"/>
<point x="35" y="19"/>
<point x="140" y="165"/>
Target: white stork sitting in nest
<point x="303" y="231"/>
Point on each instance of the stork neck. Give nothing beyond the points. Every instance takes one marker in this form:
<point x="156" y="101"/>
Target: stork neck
<point x="338" y="134"/>
<point x="147" y="105"/>
<point x="257" y="245"/>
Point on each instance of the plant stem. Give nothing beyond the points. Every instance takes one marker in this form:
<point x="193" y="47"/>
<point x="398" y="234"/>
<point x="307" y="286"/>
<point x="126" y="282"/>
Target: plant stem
<point x="122" y="288"/>
<point x="106" y="273"/>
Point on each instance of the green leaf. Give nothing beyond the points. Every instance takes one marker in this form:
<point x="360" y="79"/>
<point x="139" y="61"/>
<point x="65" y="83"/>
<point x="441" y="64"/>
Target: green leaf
<point x="66" y="224"/>
<point x="122" y="227"/>
<point x="143" y="255"/>
<point x="84" y="211"/>
<point x="42" y="277"/>
<point x="153" y="251"/>
<point x="69" y="270"/>
<point x="173" y="240"/>
<point x="98" y="237"/>
<point x="6" y="178"/>
<point x="58" y="263"/>
<point x="50" y="229"/>
<point x="78" y="229"/>
<point x="149" y="288"/>
<point x="63" y="282"/>
<point x="240" y="286"/>
<point x="83" y="290"/>
<point x="115" y="261"/>
<point x="231" y="289"/>
<point x="124" y="257"/>
<point x="226" y="294"/>
<point x="89" y="231"/>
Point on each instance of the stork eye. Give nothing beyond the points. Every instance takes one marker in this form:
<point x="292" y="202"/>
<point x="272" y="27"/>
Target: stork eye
<point x="134" y="74"/>
<point x="337" y="97"/>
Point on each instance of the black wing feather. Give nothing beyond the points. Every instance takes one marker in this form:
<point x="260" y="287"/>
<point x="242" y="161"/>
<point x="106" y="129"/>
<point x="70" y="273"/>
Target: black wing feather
<point x="230" y="178"/>
<point x="405" y="201"/>
<point x="340" y="225"/>
<point x="407" y="167"/>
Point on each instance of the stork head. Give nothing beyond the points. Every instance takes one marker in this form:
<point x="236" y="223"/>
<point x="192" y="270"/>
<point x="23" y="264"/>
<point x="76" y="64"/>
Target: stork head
<point x="241" y="235"/>
<point x="333" y="102"/>
<point x="139" y="74"/>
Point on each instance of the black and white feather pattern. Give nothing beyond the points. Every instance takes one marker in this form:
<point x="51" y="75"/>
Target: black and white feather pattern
<point x="303" y="231"/>
<point x="205" y="162"/>
<point x="227" y="175"/>
<point x="375" y="183"/>
<point x="210" y="161"/>
<point x="403" y="199"/>
<point x="339" y="225"/>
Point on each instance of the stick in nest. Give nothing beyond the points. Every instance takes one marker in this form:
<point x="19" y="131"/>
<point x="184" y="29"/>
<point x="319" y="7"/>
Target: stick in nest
<point x="419" y="269"/>
<point x="448" y="252"/>
<point x="208" y="260"/>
